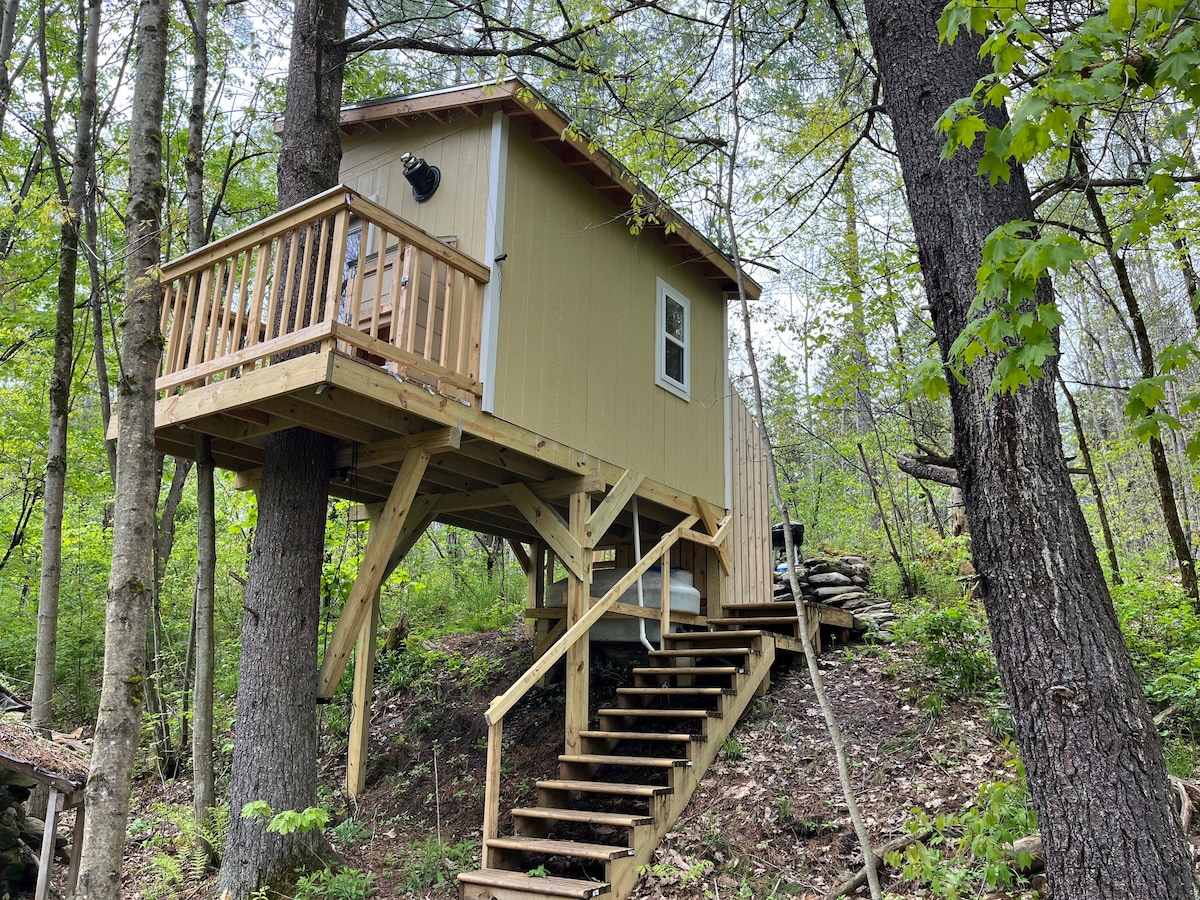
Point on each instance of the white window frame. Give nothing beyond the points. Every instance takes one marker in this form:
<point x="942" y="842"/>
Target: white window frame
<point x="681" y="389"/>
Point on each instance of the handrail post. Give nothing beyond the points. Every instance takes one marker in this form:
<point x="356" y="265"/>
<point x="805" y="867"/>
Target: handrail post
<point x="664" y="597"/>
<point x="579" y="591"/>
<point x="491" y="796"/>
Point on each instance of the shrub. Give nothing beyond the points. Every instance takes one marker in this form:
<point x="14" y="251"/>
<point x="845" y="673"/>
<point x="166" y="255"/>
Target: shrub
<point x="952" y="642"/>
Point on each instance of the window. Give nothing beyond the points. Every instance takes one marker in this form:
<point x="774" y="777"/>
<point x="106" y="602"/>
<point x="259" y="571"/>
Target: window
<point x="673" y="322"/>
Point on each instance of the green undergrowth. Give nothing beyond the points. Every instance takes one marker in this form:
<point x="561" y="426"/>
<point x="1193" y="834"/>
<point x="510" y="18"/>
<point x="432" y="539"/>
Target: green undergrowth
<point x="966" y="854"/>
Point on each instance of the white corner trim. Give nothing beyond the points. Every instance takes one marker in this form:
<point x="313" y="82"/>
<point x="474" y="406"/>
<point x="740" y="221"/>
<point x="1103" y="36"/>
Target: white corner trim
<point x="493" y="247"/>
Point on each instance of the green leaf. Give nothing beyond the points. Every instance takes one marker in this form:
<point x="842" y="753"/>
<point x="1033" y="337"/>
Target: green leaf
<point x="256" y="809"/>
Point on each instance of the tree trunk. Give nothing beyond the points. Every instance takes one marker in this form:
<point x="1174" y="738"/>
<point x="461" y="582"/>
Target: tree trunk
<point x="275" y="744"/>
<point x="42" y="714"/>
<point x="131" y="577"/>
<point x="1085" y="451"/>
<point x="1093" y="760"/>
<point x="1145" y="354"/>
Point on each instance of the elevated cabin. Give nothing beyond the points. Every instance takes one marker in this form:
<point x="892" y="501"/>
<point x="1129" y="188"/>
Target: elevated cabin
<point x="501" y="354"/>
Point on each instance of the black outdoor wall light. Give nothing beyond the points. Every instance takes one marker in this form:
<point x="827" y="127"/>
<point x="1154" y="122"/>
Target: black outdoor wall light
<point x="423" y="177"/>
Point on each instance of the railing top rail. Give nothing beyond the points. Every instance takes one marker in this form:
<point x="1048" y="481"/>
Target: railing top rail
<point x="372" y="212"/>
<point x="305" y="211"/>
<point x="340" y="197"/>
<point x="506" y="701"/>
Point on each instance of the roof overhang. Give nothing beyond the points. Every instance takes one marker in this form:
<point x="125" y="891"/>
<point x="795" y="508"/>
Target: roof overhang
<point x="545" y="124"/>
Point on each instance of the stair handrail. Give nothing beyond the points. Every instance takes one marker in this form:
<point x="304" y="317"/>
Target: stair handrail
<point x="494" y="716"/>
<point x="506" y="701"/>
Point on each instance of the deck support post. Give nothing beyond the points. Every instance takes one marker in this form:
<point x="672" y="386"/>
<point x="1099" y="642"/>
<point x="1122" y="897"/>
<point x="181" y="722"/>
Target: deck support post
<point x="579" y="590"/>
<point x="360" y="707"/>
<point x="376" y="558"/>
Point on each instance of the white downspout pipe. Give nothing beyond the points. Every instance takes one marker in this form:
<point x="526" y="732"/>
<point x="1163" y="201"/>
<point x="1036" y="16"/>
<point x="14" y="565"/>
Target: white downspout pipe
<point x="637" y="551"/>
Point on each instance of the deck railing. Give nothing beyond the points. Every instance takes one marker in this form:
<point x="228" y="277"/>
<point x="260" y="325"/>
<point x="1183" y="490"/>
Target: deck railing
<point x="334" y="271"/>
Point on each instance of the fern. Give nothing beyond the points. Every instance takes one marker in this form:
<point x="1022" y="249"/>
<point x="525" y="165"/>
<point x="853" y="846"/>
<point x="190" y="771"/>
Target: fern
<point x="193" y="854"/>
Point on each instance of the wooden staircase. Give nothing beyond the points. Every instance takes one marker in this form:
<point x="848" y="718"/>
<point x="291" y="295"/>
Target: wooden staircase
<point x="599" y="822"/>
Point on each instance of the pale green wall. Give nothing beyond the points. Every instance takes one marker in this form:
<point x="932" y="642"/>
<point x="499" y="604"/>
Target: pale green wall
<point x="576" y="354"/>
<point x="371" y="165"/>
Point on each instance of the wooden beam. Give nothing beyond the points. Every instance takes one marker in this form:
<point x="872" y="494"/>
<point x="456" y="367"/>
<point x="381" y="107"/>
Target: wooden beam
<point x="547" y="490"/>
<point x="360" y="706"/>
<point x="579" y="654"/>
<point x="522" y="557"/>
<point x="386" y="452"/>
<point x="53" y="807"/>
<point x="380" y="544"/>
<point x="610" y="507"/>
<point x="550" y="525"/>
<point x="713" y="527"/>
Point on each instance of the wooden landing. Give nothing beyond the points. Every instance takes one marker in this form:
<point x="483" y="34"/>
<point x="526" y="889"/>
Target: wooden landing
<point x="371" y="412"/>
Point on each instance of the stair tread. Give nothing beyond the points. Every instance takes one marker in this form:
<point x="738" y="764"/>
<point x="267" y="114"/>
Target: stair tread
<point x="551" y="847"/>
<point x="738" y="608"/>
<point x="605" y="787"/>
<point x="641" y="735"/>
<point x="586" y="816"/>
<point x="674" y="691"/>
<point x="754" y="620"/>
<point x="701" y="652"/>
<point x="675" y="636"/>
<point x="605" y="759"/>
<point x="688" y="670"/>
<point x="661" y="713"/>
<point x="550" y="886"/>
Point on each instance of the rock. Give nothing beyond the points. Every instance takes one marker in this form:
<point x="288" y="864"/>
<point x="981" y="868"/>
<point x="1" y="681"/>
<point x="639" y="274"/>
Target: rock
<point x="860" y="580"/>
<point x="823" y="579"/>
<point x="836" y="590"/>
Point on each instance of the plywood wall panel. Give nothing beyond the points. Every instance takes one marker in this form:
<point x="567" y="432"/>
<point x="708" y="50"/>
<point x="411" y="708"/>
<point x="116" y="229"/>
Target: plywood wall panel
<point x="577" y="331"/>
<point x="750" y="577"/>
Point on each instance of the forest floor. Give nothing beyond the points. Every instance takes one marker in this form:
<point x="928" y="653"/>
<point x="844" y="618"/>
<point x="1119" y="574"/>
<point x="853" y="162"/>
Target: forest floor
<point x="768" y="820"/>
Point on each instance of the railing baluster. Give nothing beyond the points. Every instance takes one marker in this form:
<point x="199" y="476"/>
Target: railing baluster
<point x="309" y="309"/>
<point x="216" y="304"/>
<point x="322" y="228"/>
<point x="377" y="299"/>
<point x="337" y="265"/>
<point x="413" y="298"/>
<point x="262" y="261"/>
<point x="223" y="336"/>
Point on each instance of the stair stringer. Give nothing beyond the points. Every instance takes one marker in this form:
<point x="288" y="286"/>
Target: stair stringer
<point x="669" y="807"/>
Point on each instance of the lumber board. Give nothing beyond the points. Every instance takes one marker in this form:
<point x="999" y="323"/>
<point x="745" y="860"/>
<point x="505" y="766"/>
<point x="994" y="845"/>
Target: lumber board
<point x="488" y="498"/>
<point x="360" y="708"/>
<point x="550" y="525"/>
<point x="611" y="506"/>
<point x="380" y="544"/>
<point x="382" y="453"/>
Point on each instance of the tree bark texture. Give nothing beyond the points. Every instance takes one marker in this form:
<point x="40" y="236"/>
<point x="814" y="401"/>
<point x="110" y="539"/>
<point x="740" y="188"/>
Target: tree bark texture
<point x="275" y="741"/>
<point x="131" y="577"/>
<point x="275" y="744"/>
<point x="1095" y="768"/>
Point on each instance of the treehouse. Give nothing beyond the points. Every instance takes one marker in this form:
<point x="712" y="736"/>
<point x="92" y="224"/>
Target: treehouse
<point x="473" y="318"/>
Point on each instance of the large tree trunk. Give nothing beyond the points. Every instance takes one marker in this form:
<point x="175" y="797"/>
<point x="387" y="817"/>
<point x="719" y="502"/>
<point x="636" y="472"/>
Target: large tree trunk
<point x="275" y="745"/>
<point x="131" y="577"/>
<point x="1094" y="764"/>
<point x="60" y="378"/>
